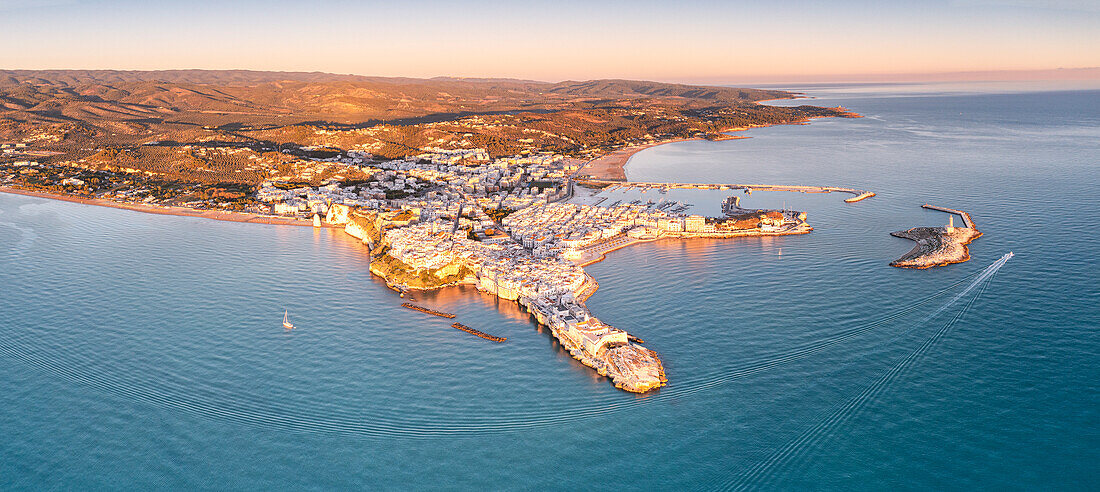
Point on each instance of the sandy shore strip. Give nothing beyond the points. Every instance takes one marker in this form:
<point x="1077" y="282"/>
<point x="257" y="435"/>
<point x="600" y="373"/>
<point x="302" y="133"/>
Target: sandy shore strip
<point x="611" y="166"/>
<point x="167" y="210"/>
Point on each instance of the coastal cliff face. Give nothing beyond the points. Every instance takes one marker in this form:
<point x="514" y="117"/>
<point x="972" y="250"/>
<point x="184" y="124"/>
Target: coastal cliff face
<point x="360" y="225"/>
<point x="361" y="229"/>
<point x="936" y="246"/>
<point x="399" y="274"/>
<point x="338" y="214"/>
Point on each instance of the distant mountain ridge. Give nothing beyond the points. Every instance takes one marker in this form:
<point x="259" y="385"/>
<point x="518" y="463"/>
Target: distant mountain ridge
<point x="186" y="76"/>
<point x="167" y="91"/>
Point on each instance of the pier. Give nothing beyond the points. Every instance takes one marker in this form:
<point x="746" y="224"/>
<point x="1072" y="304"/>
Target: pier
<point x="965" y="216"/>
<point x="858" y="194"/>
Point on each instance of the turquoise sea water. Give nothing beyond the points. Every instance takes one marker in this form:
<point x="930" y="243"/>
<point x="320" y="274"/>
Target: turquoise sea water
<point x="145" y="351"/>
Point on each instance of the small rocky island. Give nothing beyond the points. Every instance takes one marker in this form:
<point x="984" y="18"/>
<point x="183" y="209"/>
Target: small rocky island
<point x="937" y="246"/>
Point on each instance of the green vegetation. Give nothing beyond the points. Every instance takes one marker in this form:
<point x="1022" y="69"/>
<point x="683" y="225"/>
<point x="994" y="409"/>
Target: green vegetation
<point x="289" y="185"/>
<point x="394" y="194"/>
<point x="498" y="214"/>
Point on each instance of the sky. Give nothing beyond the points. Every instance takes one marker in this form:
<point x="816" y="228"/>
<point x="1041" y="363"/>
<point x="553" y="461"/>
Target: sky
<point x="685" y="41"/>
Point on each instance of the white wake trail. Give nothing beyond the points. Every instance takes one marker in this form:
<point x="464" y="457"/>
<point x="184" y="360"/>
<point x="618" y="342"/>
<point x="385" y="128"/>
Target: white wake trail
<point x="778" y="461"/>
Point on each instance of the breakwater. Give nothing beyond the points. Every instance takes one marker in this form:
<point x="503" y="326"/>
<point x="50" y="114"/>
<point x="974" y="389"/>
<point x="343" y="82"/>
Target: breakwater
<point x="862" y="196"/>
<point x="423" y="309"/>
<point x="965" y="216"/>
<point x="459" y="326"/>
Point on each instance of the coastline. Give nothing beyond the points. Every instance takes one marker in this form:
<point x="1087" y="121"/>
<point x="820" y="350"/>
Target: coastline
<point x="612" y="166"/>
<point x="222" y="215"/>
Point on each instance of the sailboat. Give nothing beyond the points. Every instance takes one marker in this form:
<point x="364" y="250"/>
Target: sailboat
<point x="286" y="322"/>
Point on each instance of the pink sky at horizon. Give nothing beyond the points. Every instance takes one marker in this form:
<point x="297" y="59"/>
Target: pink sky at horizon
<point x="696" y="41"/>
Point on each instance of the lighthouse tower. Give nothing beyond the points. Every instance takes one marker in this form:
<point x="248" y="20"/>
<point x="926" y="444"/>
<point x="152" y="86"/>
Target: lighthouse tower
<point x="950" y="227"/>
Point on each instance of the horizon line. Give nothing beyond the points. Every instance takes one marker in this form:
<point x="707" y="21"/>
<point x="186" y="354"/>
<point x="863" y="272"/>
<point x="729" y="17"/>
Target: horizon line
<point x="1008" y="75"/>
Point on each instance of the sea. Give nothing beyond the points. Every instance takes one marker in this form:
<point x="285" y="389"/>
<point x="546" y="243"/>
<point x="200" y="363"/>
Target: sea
<point x="146" y="351"/>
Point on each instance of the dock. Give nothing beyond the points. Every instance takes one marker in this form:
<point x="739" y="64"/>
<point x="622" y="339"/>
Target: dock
<point x="749" y="188"/>
<point x="965" y="216"/>
<point x="459" y="326"/>
<point x="423" y="309"/>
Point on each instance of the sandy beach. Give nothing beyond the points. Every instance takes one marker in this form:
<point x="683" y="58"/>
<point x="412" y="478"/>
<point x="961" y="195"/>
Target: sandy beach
<point x="611" y="166"/>
<point x="166" y="210"/>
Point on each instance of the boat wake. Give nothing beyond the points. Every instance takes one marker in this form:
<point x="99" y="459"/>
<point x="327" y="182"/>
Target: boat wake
<point x="767" y="362"/>
<point x="763" y="474"/>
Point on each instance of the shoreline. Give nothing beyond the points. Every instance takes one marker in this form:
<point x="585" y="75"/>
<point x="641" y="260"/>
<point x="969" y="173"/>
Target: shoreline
<point x="612" y="165"/>
<point x="225" y="216"/>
